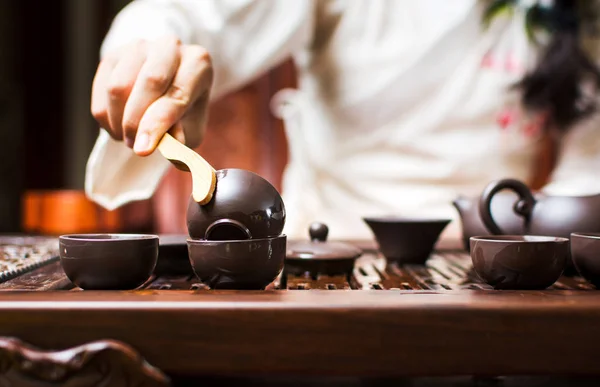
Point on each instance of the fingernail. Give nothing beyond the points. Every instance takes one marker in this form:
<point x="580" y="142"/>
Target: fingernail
<point x="142" y="142"/>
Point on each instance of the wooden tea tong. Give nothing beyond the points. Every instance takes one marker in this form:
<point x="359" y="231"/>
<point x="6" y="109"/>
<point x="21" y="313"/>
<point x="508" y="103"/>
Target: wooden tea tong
<point x="204" y="178"/>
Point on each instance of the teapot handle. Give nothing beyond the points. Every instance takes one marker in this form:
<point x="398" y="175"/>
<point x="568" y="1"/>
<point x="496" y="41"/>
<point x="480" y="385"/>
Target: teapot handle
<point x="523" y="207"/>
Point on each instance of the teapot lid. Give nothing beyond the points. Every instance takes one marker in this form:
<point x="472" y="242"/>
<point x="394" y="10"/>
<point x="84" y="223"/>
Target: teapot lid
<point x="319" y="249"/>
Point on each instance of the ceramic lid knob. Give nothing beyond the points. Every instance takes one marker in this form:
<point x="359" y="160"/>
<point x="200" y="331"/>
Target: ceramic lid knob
<point x="318" y="232"/>
<point x="318" y="249"/>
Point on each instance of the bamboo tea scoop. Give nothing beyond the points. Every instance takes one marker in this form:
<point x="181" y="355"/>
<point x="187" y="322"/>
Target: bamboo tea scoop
<point x="204" y="178"/>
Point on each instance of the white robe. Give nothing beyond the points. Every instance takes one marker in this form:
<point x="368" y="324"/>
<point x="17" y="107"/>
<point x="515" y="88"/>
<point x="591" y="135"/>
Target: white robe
<point x="395" y="113"/>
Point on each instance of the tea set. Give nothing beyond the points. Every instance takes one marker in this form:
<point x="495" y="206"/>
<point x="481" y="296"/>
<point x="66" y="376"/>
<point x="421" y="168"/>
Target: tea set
<point x="235" y="242"/>
<point x="235" y="221"/>
<point x="319" y="256"/>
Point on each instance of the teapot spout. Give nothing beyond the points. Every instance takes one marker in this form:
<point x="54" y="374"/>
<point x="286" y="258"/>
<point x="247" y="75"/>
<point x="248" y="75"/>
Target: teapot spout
<point x="470" y="221"/>
<point x="461" y="203"/>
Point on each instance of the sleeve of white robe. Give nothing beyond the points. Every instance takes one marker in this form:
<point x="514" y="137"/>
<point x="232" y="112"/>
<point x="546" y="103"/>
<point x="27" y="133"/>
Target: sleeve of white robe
<point x="578" y="169"/>
<point x="244" y="37"/>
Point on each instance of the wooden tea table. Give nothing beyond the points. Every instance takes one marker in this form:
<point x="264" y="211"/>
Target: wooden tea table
<point x="384" y="321"/>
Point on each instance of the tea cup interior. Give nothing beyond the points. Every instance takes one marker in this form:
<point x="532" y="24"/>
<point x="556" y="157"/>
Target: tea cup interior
<point x="107" y="237"/>
<point x="520" y="238"/>
<point x="244" y="206"/>
<point x="227" y="230"/>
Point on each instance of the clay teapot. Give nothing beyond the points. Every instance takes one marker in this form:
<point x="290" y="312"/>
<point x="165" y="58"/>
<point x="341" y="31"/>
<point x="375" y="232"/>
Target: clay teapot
<point x="557" y="216"/>
<point x="502" y="210"/>
<point x="244" y="206"/>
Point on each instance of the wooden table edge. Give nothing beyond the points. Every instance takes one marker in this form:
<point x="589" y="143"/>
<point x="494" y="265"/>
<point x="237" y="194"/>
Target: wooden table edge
<point x="365" y="333"/>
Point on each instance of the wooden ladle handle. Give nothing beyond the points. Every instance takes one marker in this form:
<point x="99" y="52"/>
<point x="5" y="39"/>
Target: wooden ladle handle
<point x="204" y="177"/>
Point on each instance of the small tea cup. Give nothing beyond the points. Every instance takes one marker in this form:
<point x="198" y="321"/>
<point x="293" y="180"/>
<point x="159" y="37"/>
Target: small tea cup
<point x="242" y="264"/>
<point x="406" y="240"/>
<point x="108" y="261"/>
<point x="523" y="262"/>
<point x="585" y="253"/>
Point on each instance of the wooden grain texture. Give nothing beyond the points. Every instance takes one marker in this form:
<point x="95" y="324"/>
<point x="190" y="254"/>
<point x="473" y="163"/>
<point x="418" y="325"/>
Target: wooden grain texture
<point x="100" y="363"/>
<point x="455" y="381"/>
<point x="340" y="332"/>
<point x="48" y="277"/>
<point x="384" y="320"/>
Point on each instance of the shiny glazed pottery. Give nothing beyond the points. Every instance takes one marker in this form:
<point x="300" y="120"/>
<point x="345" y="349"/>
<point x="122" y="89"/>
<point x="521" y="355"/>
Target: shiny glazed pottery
<point x="108" y="261"/>
<point x="520" y="262"/>
<point x="557" y="216"/>
<point x="585" y="252"/>
<point x="502" y="210"/>
<point x="406" y="241"/>
<point x="318" y="256"/>
<point x="244" y="206"/>
<point x="543" y="215"/>
<point x="243" y="264"/>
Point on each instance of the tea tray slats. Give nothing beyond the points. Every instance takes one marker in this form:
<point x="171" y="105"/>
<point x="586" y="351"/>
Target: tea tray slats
<point x="382" y="320"/>
<point x="445" y="271"/>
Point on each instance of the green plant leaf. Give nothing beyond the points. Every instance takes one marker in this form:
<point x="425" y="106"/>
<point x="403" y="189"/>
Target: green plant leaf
<point x="496" y="8"/>
<point x="537" y="18"/>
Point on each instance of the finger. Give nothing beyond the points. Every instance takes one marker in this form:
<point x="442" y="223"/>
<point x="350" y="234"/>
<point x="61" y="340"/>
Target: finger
<point x="194" y="122"/>
<point x="99" y="101"/>
<point x="177" y="132"/>
<point x="192" y="80"/>
<point x="121" y="82"/>
<point x="154" y="78"/>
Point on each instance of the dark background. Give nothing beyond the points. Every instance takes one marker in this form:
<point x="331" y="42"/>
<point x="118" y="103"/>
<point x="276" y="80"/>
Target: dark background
<point x="48" y="55"/>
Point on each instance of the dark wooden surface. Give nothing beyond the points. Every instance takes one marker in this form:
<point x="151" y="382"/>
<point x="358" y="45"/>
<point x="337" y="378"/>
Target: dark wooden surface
<point x="382" y="321"/>
<point x="100" y="363"/>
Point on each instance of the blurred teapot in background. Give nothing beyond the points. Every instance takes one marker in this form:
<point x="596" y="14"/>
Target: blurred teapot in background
<point x="541" y="214"/>
<point x="520" y="212"/>
<point x="502" y="210"/>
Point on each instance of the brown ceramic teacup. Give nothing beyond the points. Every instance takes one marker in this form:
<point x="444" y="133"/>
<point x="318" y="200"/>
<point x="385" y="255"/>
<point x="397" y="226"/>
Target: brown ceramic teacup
<point x="519" y="261"/>
<point x="406" y="240"/>
<point x="585" y="252"/>
<point x="243" y="264"/>
<point x="108" y="261"/>
<point x="244" y="206"/>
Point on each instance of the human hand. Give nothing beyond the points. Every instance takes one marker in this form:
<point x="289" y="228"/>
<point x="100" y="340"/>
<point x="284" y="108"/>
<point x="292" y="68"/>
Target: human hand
<point x="145" y="89"/>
